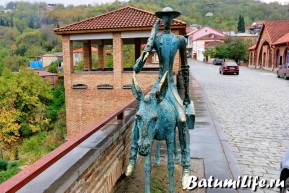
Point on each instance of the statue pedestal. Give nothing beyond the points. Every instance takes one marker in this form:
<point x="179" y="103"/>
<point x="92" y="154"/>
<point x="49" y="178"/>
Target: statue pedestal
<point x="159" y="177"/>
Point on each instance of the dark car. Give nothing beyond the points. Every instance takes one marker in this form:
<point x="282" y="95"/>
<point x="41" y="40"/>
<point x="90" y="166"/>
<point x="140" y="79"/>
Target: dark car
<point x="283" y="71"/>
<point x="284" y="175"/>
<point x="217" y="61"/>
<point x="229" y="68"/>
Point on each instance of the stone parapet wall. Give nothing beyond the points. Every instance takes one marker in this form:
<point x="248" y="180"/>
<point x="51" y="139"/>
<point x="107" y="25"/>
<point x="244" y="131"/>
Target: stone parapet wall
<point x="103" y="173"/>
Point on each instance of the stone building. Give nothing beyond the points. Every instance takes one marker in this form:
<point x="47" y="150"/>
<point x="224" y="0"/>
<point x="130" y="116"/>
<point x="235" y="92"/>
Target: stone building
<point x="92" y="94"/>
<point x="272" y="47"/>
<point x="199" y="39"/>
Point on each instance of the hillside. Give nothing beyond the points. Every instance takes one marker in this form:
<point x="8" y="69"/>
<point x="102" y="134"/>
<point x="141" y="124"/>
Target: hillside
<point x="225" y="12"/>
<point x="26" y="29"/>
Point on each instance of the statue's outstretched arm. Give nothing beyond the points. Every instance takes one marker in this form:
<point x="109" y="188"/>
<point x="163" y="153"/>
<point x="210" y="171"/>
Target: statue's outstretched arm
<point x="142" y="59"/>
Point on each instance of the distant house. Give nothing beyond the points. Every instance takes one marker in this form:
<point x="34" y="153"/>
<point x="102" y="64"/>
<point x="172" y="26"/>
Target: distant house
<point x="199" y="39"/>
<point x="248" y="37"/>
<point x="272" y="47"/>
<point x="51" y="77"/>
<point x="209" y="14"/>
<point x="36" y="64"/>
<point x="78" y="55"/>
<point x="255" y="28"/>
<point x="47" y="59"/>
<point x="212" y="45"/>
<point x="50" y="7"/>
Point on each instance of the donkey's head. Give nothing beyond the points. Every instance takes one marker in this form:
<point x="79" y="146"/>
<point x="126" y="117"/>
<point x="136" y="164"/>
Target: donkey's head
<point x="147" y="116"/>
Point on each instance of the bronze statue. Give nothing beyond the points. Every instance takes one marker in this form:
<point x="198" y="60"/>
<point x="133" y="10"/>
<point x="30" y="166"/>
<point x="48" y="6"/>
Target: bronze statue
<point x="166" y="45"/>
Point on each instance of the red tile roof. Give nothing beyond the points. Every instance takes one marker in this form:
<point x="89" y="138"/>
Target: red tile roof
<point x="252" y="47"/>
<point x="45" y="73"/>
<point x="210" y="36"/>
<point x="58" y="54"/>
<point x="214" y="44"/>
<point x="124" y="19"/>
<point x="276" y="29"/>
<point x="80" y="50"/>
<point x="93" y="49"/>
<point x="283" y="40"/>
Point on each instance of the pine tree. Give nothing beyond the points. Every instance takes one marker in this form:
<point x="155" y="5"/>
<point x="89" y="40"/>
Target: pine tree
<point x="241" y="24"/>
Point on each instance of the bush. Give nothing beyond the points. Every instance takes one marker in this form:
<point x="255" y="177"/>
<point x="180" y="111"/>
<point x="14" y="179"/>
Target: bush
<point x="13" y="164"/>
<point x="31" y="145"/>
<point x="52" y="67"/>
<point x="25" y="130"/>
<point x="5" y="175"/>
<point x="3" y="165"/>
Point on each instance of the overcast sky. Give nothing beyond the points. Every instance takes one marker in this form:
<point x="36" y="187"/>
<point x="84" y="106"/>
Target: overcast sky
<point x="66" y="2"/>
<point x="94" y="2"/>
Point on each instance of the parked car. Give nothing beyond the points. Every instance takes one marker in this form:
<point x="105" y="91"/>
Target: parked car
<point x="217" y="61"/>
<point x="284" y="174"/>
<point x="229" y="68"/>
<point x="283" y="71"/>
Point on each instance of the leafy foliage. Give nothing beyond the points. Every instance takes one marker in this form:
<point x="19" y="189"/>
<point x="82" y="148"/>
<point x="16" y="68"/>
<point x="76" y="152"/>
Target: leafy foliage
<point x="225" y="12"/>
<point x="234" y="48"/>
<point x="58" y="101"/>
<point x="3" y="165"/>
<point x="23" y="99"/>
<point x="6" y="174"/>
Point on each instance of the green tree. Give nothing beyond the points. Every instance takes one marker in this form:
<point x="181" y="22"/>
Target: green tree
<point x="234" y="48"/>
<point x="241" y="24"/>
<point x="237" y="49"/>
<point x="23" y="103"/>
<point x="15" y="62"/>
<point x="221" y="51"/>
<point x="58" y="102"/>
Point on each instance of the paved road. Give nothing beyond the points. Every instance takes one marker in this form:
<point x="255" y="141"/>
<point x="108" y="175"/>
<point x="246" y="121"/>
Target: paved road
<point x="253" y="110"/>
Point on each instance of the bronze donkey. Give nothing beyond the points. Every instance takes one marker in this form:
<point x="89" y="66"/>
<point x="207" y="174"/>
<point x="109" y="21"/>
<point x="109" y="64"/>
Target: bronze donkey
<point x="155" y="119"/>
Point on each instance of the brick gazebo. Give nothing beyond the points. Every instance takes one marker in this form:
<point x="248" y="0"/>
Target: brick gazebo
<point x="92" y="94"/>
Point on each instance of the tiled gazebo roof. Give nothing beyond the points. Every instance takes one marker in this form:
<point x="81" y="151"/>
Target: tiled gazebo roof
<point x="124" y="19"/>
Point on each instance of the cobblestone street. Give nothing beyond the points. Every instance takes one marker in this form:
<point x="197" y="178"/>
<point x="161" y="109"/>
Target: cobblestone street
<point x="252" y="108"/>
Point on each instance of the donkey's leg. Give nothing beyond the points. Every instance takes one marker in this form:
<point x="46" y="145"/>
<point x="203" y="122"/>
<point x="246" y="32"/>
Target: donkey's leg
<point x="158" y="152"/>
<point x="171" y="166"/>
<point x="176" y="155"/>
<point x="184" y="138"/>
<point x="147" y="169"/>
<point x="133" y="151"/>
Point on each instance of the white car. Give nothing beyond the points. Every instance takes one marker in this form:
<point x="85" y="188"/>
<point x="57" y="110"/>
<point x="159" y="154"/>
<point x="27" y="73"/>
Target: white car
<point x="284" y="175"/>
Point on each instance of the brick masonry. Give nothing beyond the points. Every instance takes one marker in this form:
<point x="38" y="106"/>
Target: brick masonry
<point x="103" y="173"/>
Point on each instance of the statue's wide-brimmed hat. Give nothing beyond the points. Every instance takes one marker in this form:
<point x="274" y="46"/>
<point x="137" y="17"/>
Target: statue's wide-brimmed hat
<point x="168" y="11"/>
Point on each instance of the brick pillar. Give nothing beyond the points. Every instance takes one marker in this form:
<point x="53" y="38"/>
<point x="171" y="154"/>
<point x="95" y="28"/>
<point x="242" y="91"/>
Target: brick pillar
<point x="87" y="56"/>
<point x="67" y="55"/>
<point x="117" y="59"/>
<point x="137" y="48"/>
<point x="101" y="55"/>
<point x="67" y="71"/>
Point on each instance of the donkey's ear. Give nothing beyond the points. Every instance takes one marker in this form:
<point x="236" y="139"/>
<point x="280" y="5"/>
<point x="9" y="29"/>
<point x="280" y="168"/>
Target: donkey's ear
<point x="136" y="89"/>
<point x="162" y="88"/>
